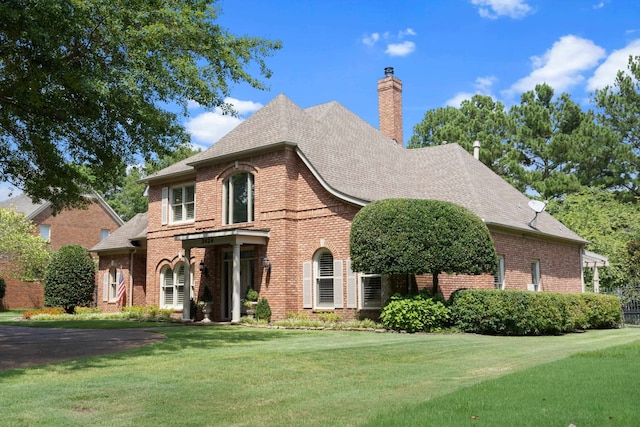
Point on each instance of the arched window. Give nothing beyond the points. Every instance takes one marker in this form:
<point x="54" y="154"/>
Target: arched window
<point x="172" y="286"/>
<point x="323" y="269"/>
<point x="238" y="199"/>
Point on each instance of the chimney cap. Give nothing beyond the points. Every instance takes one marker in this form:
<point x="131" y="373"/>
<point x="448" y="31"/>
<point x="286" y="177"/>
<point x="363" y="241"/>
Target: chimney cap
<point x="388" y="71"/>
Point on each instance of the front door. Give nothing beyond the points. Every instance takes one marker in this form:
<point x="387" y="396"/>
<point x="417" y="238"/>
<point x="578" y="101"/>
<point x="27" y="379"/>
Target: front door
<point x="246" y="279"/>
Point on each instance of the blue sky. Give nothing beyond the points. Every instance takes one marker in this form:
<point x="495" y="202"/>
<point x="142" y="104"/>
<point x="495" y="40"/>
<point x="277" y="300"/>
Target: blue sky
<point x="442" y="50"/>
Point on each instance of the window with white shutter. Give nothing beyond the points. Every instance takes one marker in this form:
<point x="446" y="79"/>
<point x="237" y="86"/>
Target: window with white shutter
<point x="172" y="286"/>
<point x="371" y="291"/>
<point x="183" y="205"/>
<point x="324" y="280"/>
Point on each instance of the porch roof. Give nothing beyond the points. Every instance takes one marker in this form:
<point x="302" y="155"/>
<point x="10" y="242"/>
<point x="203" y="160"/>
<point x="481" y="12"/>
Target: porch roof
<point x="592" y="259"/>
<point x="240" y="236"/>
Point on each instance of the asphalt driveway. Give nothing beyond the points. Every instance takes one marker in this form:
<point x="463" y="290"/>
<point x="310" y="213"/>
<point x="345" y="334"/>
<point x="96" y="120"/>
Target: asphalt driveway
<point x="21" y="347"/>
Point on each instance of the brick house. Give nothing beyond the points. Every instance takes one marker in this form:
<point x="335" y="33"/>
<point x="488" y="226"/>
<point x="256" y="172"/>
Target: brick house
<point x="84" y="227"/>
<point x="270" y="206"/>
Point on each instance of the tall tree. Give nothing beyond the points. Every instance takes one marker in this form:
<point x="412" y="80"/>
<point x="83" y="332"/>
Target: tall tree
<point x="84" y="85"/>
<point x="23" y="254"/>
<point x="546" y="139"/>
<point x="478" y="119"/>
<point x="620" y="110"/>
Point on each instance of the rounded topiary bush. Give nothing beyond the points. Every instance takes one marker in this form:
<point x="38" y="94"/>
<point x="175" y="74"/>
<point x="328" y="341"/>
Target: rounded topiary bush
<point x="70" y="278"/>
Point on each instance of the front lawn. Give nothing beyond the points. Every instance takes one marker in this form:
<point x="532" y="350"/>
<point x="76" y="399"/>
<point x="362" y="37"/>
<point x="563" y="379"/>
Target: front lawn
<point x="241" y="376"/>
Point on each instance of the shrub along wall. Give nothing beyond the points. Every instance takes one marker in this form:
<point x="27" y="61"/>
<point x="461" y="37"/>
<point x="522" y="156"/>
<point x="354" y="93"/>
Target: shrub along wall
<point x="497" y="312"/>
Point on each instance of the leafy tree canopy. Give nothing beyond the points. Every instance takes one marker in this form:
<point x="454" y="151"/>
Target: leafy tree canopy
<point x="412" y="236"/>
<point x="84" y="85"/>
<point x="607" y="222"/>
<point x="24" y="255"/>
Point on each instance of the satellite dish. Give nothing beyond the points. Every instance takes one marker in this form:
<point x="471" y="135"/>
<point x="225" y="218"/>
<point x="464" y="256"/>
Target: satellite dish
<point x="537" y="206"/>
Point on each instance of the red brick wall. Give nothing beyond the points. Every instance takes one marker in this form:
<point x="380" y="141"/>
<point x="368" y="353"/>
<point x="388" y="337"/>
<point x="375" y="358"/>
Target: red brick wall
<point x="78" y="227"/>
<point x="302" y="217"/>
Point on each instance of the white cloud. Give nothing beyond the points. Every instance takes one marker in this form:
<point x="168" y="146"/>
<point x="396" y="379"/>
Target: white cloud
<point x="371" y="39"/>
<point x="400" y="49"/>
<point x="606" y="73"/>
<point x="208" y="127"/>
<point x="482" y="86"/>
<point x="408" y="32"/>
<point x="598" y="5"/>
<point x="493" y="9"/>
<point x="394" y="44"/>
<point x="561" y="66"/>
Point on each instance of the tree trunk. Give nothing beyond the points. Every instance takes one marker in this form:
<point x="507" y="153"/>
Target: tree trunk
<point x="434" y="290"/>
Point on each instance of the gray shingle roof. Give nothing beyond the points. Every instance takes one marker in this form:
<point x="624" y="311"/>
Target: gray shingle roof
<point x="23" y="204"/>
<point x="134" y="229"/>
<point x="357" y="162"/>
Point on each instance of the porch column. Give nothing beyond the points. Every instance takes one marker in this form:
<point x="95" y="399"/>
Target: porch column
<point x="235" y="297"/>
<point x="596" y="279"/>
<point x="186" y="301"/>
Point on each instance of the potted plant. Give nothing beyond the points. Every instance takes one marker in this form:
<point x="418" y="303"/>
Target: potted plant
<point x="250" y="301"/>
<point x="205" y="303"/>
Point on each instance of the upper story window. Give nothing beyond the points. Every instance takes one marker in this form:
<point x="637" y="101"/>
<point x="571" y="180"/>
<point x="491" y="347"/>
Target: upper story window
<point x="45" y="232"/>
<point x="182" y="202"/>
<point x="238" y="198"/>
<point x="104" y="233"/>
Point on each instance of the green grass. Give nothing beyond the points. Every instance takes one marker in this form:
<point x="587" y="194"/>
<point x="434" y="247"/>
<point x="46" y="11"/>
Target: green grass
<point x="239" y="376"/>
<point x="10" y="315"/>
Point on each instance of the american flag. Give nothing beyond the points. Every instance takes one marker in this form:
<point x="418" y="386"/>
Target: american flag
<point x="120" y="286"/>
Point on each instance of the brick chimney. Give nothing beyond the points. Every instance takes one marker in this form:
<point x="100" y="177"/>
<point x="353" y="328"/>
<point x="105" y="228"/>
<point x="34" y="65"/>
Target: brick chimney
<point x="390" y="106"/>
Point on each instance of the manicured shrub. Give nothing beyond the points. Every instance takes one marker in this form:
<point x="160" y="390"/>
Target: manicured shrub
<point x="498" y="312"/>
<point x="602" y="311"/>
<point x="70" y="278"/>
<point x="414" y="314"/>
<point x="263" y="310"/>
<point x="329" y="317"/>
<point x="3" y="287"/>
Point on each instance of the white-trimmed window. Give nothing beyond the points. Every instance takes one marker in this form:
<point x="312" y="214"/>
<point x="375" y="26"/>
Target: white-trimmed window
<point x="113" y="284"/>
<point x="498" y="278"/>
<point x="104" y="233"/>
<point x="371" y="291"/>
<point x="45" y="232"/>
<point x="323" y="268"/>
<point x="183" y="203"/>
<point x="238" y="198"/>
<point x="172" y="286"/>
<point x="535" y="275"/>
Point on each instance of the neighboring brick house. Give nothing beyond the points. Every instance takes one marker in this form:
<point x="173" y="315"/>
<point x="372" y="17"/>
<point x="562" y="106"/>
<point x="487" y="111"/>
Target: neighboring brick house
<point x="270" y="206"/>
<point x="84" y="227"/>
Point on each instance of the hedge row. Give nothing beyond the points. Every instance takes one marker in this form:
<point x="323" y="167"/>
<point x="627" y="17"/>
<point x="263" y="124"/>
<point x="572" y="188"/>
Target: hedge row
<point x="497" y="312"/>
